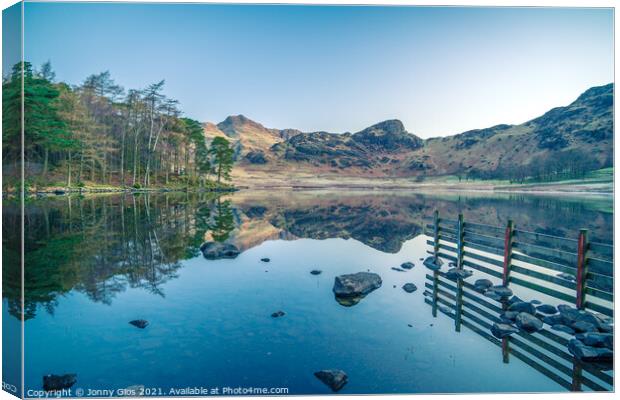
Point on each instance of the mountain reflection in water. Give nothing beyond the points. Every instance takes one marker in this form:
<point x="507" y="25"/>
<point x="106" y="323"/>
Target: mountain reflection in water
<point x="103" y="245"/>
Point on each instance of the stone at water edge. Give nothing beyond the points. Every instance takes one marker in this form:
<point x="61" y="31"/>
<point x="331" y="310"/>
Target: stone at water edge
<point x="266" y="259"/>
<point x="456" y="273"/>
<point x="358" y="284"/>
<point x="316" y="272"/>
<point x="334" y="378"/>
<point x="583" y="326"/>
<point x="139" y="323"/>
<point x="528" y="322"/>
<point x="58" y="382"/>
<point x="547" y="309"/>
<point x="514" y="299"/>
<point x="482" y="284"/>
<point x="503" y="330"/>
<point x="522" y="306"/>
<point x="563" y="328"/>
<point x="217" y="250"/>
<point x="498" y="292"/>
<point x="407" y="265"/>
<point x="589" y="353"/>
<point x="409" y="287"/>
<point x="278" y="314"/>
<point x="433" y="263"/>
<point x="597" y="339"/>
<point x="509" y="315"/>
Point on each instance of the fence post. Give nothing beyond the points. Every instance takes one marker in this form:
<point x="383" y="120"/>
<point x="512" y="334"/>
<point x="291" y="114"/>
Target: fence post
<point x="436" y="235"/>
<point x="508" y="239"/>
<point x="582" y="268"/>
<point x="459" y="242"/>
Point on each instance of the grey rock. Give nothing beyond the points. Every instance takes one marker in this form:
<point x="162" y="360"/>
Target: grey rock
<point x="456" y="273"/>
<point x="139" y="323"/>
<point x="334" y="378"/>
<point x="522" y="306"/>
<point x="217" y="250"/>
<point x="547" y="309"/>
<point x="351" y="288"/>
<point x="503" y="330"/>
<point x="433" y="263"/>
<point x="597" y="339"/>
<point x="482" y="284"/>
<point x="553" y="319"/>
<point x="589" y="353"/>
<point x="583" y="326"/>
<point x="265" y="259"/>
<point x="278" y="314"/>
<point x="58" y="382"/>
<point x="509" y="315"/>
<point x="528" y="322"/>
<point x="514" y="299"/>
<point x="498" y="292"/>
<point x="407" y="265"/>
<point x="563" y="328"/>
<point x="409" y="287"/>
<point x="316" y="272"/>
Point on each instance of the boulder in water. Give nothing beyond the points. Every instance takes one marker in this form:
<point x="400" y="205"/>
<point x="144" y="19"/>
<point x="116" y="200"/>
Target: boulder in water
<point x="407" y="265"/>
<point x="278" y="314"/>
<point x="409" y="287"/>
<point x="351" y="288"/>
<point x="528" y="322"/>
<point x="334" y="378"/>
<point x="217" y="250"/>
<point x="456" y="273"/>
<point x="433" y="263"/>
<point x="139" y="323"/>
<point x="58" y="382"/>
<point x="316" y="272"/>
<point x="522" y="306"/>
<point x="503" y="330"/>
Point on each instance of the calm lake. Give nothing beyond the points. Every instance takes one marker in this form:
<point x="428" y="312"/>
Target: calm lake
<point x="95" y="263"/>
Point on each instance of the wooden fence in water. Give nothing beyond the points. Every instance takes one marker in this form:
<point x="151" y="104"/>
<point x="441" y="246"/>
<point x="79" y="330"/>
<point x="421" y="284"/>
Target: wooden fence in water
<point x="530" y="260"/>
<point x="546" y="350"/>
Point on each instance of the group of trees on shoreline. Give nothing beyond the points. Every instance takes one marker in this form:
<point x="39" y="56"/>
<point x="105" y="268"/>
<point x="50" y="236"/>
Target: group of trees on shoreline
<point x="100" y="133"/>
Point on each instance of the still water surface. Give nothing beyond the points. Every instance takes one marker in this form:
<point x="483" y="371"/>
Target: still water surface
<point x="96" y="263"/>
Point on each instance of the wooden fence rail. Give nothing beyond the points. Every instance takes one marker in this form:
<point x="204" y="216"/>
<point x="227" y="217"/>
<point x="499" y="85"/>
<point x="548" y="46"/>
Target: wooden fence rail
<point x="573" y="270"/>
<point x="546" y="351"/>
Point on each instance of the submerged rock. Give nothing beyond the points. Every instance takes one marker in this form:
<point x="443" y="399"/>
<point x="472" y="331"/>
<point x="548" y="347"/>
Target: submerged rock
<point x="139" y="323"/>
<point x="278" y="314"/>
<point x="589" y="353"/>
<point x="456" y="273"/>
<point x="334" y="378"/>
<point x="528" y="322"/>
<point x="407" y="265"/>
<point x="316" y="272"/>
<point x="433" y="263"/>
<point x="58" y="382"/>
<point x="503" y="330"/>
<point x="217" y="250"/>
<point x="409" y="287"/>
<point x="266" y="259"/>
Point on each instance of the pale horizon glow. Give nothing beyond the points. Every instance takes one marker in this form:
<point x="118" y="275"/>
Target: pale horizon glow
<point x="440" y="70"/>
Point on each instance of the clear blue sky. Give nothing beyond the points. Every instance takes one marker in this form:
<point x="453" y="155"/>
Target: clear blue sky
<point x="440" y="70"/>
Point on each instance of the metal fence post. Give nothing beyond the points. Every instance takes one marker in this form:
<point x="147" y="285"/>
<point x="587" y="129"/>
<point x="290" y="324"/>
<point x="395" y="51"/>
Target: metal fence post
<point x="582" y="268"/>
<point x="459" y="242"/>
<point x="508" y="239"/>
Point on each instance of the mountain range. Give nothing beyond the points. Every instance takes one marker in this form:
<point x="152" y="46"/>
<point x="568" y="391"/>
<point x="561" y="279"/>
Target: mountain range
<point x="583" y="129"/>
